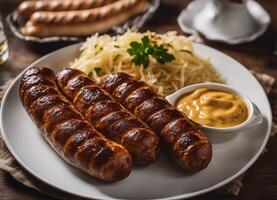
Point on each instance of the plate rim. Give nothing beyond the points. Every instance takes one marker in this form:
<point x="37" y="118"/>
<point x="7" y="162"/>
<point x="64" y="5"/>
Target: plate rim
<point x="180" y="196"/>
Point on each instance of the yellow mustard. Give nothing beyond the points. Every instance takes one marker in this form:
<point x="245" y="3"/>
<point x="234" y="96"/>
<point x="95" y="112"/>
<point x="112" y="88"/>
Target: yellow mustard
<point x="213" y="108"/>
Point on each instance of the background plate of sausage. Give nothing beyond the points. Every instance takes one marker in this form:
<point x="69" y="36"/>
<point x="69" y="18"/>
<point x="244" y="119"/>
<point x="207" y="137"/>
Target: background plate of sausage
<point x="16" y="22"/>
<point x="161" y="180"/>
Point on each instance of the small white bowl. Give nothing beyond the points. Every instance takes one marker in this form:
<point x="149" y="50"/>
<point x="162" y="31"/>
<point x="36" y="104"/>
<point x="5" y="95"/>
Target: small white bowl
<point x="254" y="115"/>
<point x="219" y="20"/>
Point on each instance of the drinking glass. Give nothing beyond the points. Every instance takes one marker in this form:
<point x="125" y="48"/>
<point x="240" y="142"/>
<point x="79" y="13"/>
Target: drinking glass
<point x="4" y="51"/>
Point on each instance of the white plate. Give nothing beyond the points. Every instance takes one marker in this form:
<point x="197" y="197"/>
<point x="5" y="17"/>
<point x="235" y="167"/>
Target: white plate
<point x="161" y="180"/>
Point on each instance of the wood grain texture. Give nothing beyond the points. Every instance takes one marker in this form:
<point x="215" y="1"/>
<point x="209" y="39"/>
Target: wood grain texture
<point x="260" y="182"/>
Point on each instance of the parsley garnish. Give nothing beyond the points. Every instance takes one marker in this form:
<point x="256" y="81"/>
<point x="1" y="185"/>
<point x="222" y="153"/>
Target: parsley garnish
<point x="97" y="69"/>
<point x="140" y="51"/>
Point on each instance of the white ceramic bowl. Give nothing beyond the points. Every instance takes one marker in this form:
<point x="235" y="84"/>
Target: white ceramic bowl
<point x="254" y="115"/>
<point x="233" y="14"/>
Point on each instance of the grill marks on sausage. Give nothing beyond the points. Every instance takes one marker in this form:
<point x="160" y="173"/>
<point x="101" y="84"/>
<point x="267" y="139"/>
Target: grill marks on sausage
<point x="34" y="77"/>
<point x="103" y="155"/>
<point x="106" y="114"/>
<point x="124" y="89"/>
<point x="186" y="140"/>
<point x="138" y="96"/>
<point x="131" y="93"/>
<point x="37" y="91"/>
<point x="76" y="140"/>
<point x="178" y="126"/>
<point x="42" y="72"/>
<point x="76" y="83"/>
<point x="65" y="130"/>
<point x="150" y="107"/>
<point x="88" y="95"/>
<point x="86" y="151"/>
<point x="105" y="123"/>
<point x="122" y="126"/>
<point x="32" y="81"/>
<point x="187" y="144"/>
<point x="65" y="75"/>
<point x="102" y="108"/>
<point x="114" y="80"/>
<point x="57" y="115"/>
<point x="44" y="103"/>
<point x="35" y="80"/>
<point x="174" y="130"/>
<point x="163" y="117"/>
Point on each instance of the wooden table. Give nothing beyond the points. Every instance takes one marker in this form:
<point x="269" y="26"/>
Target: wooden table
<point x="260" y="181"/>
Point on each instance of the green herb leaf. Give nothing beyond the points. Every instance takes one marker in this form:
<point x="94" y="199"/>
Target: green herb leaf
<point x="161" y="55"/>
<point x="145" y="41"/>
<point x="97" y="69"/>
<point x="140" y="52"/>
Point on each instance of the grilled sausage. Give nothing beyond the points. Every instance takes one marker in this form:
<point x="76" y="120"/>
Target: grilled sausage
<point x="109" y="117"/>
<point x="67" y="131"/>
<point x="187" y="144"/>
<point x="27" y="8"/>
<point x="83" y="22"/>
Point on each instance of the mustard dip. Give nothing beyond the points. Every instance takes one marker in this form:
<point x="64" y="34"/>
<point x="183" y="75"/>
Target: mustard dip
<point x="213" y="108"/>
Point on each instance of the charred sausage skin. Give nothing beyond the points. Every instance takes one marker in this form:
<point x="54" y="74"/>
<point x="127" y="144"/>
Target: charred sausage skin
<point x="109" y="117"/>
<point x="67" y="131"/>
<point x="182" y="138"/>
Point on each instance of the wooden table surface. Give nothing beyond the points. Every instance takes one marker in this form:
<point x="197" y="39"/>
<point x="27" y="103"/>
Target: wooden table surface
<point x="260" y="181"/>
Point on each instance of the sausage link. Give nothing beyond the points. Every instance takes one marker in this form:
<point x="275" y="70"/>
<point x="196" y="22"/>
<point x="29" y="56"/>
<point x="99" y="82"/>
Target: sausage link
<point x="81" y="16"/>
<point x="82" y="22"/>
<point x="182" y="138"/>
<point x="67" y="131"/>
<point x="27" y="8"/>
<point x="109" y="117"/>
